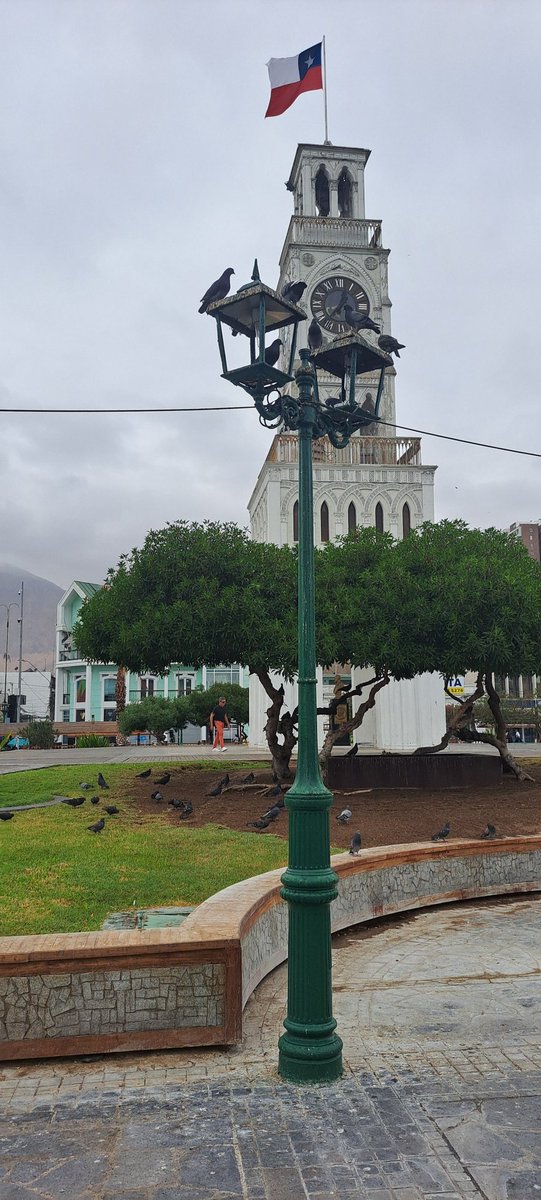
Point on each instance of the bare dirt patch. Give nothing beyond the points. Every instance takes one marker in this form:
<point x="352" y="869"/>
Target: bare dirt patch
<point x="383" y="816"/>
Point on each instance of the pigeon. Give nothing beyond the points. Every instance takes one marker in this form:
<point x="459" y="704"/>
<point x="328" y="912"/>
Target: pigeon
<point x="225" y="780"/>
<point x="97" y="828"/>
<point x="272" y="353"/>
<point x="345" y="816"/>
<point x="334" y="401"/>
<point x="389" y="344"/>
<point x="111" y="809"/>
<point x="248" y="778"/>
<point x="144" y="774"/>
<point x="6" y="816"/>
<point x="261" y="824"/>
<point x="156" y="796"/>
<point x="273" y="812"/>
<point x="188" y="810"/>
<point x="163" y="779"/>
<point x="489" y="831"/>
<point x="217" y="290"/>
<point x="355" y="844"/>
<point x="74" y="802"/>
<point x="357" y="320"/>
<point x="315" y="336"/>
<point x="275" y="791"/>
<point x="94" y="799"/>
<point x="217" y="790"/>
<point x="354" y="750"/>
<point x="85" y="787"/>
<point x="293" y="291"/>
<point x="442" y="834"/>
<point x="176" y="803"/>
<point x="102" y="781"/>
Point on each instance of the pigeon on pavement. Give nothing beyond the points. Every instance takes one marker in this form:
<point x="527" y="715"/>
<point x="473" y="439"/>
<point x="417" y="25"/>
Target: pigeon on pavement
<point x="389" y="344"/>
<point x="97" y="828"/>
<point x="102" y="782"/>
<point x="293" y="291"/>
<point x="315" y="336"/>
<point x="217" y="290"/>
<point x="345" y="816"/>
<point x="443" y="833"/>
<point x="355" y="844"/>
<point x="272" y="353"/>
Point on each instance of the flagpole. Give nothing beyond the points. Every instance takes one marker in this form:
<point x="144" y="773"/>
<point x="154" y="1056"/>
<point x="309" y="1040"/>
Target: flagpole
<point x="325" y="91"/>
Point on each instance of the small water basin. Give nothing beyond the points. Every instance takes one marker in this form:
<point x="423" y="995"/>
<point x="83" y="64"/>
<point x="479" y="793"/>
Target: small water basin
<point x="147" y="918"/>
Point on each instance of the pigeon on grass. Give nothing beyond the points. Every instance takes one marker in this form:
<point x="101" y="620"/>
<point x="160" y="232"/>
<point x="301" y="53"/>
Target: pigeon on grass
<point x="144" y="774"/>
<point x="262" y="823"/>
<point x="102" y="782"/>
<point x="94" y="799"/>
<point x="97" y="828"/>
<point x="74" y="801"/>
<point x="6" y="816"/>
<point x="111" y="809"/>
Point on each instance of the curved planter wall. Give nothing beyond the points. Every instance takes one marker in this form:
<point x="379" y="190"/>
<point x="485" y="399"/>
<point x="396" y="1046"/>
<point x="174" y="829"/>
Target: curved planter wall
<point x="96" y="992"/>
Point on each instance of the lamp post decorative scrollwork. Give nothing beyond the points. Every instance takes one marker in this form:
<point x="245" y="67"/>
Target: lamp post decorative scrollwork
<point x="310" y="1050"/>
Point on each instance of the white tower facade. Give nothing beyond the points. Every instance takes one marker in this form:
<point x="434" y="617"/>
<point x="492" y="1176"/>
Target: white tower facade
<point x="378" y="479"/>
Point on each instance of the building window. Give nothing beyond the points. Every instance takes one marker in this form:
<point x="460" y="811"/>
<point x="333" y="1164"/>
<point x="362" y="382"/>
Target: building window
<point x="296" y="521"/>
<point x="406" y="521"/>
<point x="80" y="714"/>
<point x="223" y="675"/>
<point x="80" y="690"/>
<point x="66" y="714"/>
<point x="146" y="688"/>
<point x="323" y="203"/>
<point x="324" y="520"/>
<point x="379" y="517"/>
<point x="184" y="685"/>
<point x="345" y="197"/>
<point x="109" y="688"/>
<point x="352" y="518"/>
<point x="109" y="714"/>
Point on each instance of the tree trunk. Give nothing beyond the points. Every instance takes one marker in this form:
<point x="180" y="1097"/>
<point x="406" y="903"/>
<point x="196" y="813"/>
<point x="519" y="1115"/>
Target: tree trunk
<point x="120" y="696"/>
<point x="278" y="726"/>
<point x="500" y="738"/>
<point x="462" y="716"/>
<point x="348" y="726"/>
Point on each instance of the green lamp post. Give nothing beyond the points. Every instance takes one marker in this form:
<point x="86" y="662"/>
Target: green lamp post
<point x="310" y="1050"/>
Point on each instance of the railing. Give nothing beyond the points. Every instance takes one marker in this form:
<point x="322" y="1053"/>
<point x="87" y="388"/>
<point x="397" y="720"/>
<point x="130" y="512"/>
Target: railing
<point x="395" y="452"/>
<point x="68" y="655"/>
<point x="335" y="231"/>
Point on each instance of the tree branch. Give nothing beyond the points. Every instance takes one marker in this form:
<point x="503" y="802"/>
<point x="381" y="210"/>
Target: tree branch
<point x="460" y="718"/>
<point x="348" y="726"/>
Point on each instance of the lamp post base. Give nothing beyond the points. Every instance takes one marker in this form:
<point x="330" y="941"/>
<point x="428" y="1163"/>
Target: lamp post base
<point x="309" y="1059"/>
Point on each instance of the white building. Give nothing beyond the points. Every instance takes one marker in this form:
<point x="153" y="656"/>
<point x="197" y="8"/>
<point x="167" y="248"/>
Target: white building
<point x="378" y="479"/>
<point x="35" y="686"/>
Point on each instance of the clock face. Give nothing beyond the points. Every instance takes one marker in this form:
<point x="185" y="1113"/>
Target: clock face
<point x="331" y="297"/>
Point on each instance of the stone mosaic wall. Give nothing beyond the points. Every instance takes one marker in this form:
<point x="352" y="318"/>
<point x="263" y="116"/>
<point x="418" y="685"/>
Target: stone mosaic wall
<point x="107" y="1002"/>
<point x="264" y="947"/>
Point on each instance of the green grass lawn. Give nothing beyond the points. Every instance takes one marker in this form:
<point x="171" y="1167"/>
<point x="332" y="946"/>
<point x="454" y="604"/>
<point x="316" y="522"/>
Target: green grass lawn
<point x="55" y="877"/>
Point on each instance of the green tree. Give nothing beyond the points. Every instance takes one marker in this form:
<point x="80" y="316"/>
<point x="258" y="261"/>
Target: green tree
<point x="154" y="714"/>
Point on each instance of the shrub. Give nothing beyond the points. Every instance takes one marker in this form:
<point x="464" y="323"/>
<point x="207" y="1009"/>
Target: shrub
<point x="92" y="741"/>
<point x="40" y="734"/>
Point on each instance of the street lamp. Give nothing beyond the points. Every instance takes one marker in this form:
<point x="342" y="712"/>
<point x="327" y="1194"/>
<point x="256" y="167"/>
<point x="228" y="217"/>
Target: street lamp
<point x="8" y="608"/>
<point x="310" y="1050"/>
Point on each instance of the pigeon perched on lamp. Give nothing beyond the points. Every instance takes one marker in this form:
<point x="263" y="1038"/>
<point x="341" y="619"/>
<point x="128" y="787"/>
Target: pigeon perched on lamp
<point x="217" y="290"/>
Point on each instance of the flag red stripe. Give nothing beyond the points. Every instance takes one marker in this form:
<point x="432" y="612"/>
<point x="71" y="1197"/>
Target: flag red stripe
<point x="281" y="98"/>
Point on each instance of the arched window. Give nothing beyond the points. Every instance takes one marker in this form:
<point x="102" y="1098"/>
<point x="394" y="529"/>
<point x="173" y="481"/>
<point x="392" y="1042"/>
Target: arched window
<point x="296" y="521"/>
<point x="323" y="202"/>
<point x="345" y="194"/>
<point x="379" y="517"/>
<point x="406" y="520"/>
<point x="324" y="517"/>
<point x="352" y="518"/>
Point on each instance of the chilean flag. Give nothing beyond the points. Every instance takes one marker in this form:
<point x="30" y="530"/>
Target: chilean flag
<point x="290" y="77"/>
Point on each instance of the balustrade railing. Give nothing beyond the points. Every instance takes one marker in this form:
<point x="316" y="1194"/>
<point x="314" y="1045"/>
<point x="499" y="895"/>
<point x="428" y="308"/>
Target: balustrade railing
<point x="335" y="231"/>
<point x="395" y="452"/>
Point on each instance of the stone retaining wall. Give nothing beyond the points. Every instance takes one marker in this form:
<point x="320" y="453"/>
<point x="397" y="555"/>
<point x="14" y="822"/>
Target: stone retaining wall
<point x="95" y="992"/>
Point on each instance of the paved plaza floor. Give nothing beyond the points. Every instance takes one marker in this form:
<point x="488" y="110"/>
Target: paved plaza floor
<point x="440" y="1099"/>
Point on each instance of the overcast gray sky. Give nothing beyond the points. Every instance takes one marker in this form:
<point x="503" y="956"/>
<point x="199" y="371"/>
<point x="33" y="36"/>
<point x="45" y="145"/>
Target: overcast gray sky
<point x="135" y="164"/>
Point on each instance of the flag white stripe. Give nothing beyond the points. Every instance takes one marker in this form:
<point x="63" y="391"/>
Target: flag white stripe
<point x="283" y="71"/>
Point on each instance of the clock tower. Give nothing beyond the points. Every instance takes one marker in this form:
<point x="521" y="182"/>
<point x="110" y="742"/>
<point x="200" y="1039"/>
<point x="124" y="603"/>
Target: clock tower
<point x="378" y="478"/>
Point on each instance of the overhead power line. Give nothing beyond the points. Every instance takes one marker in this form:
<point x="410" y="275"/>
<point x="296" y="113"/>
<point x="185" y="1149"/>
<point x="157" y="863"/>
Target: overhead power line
<point x="103" y="412"/>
